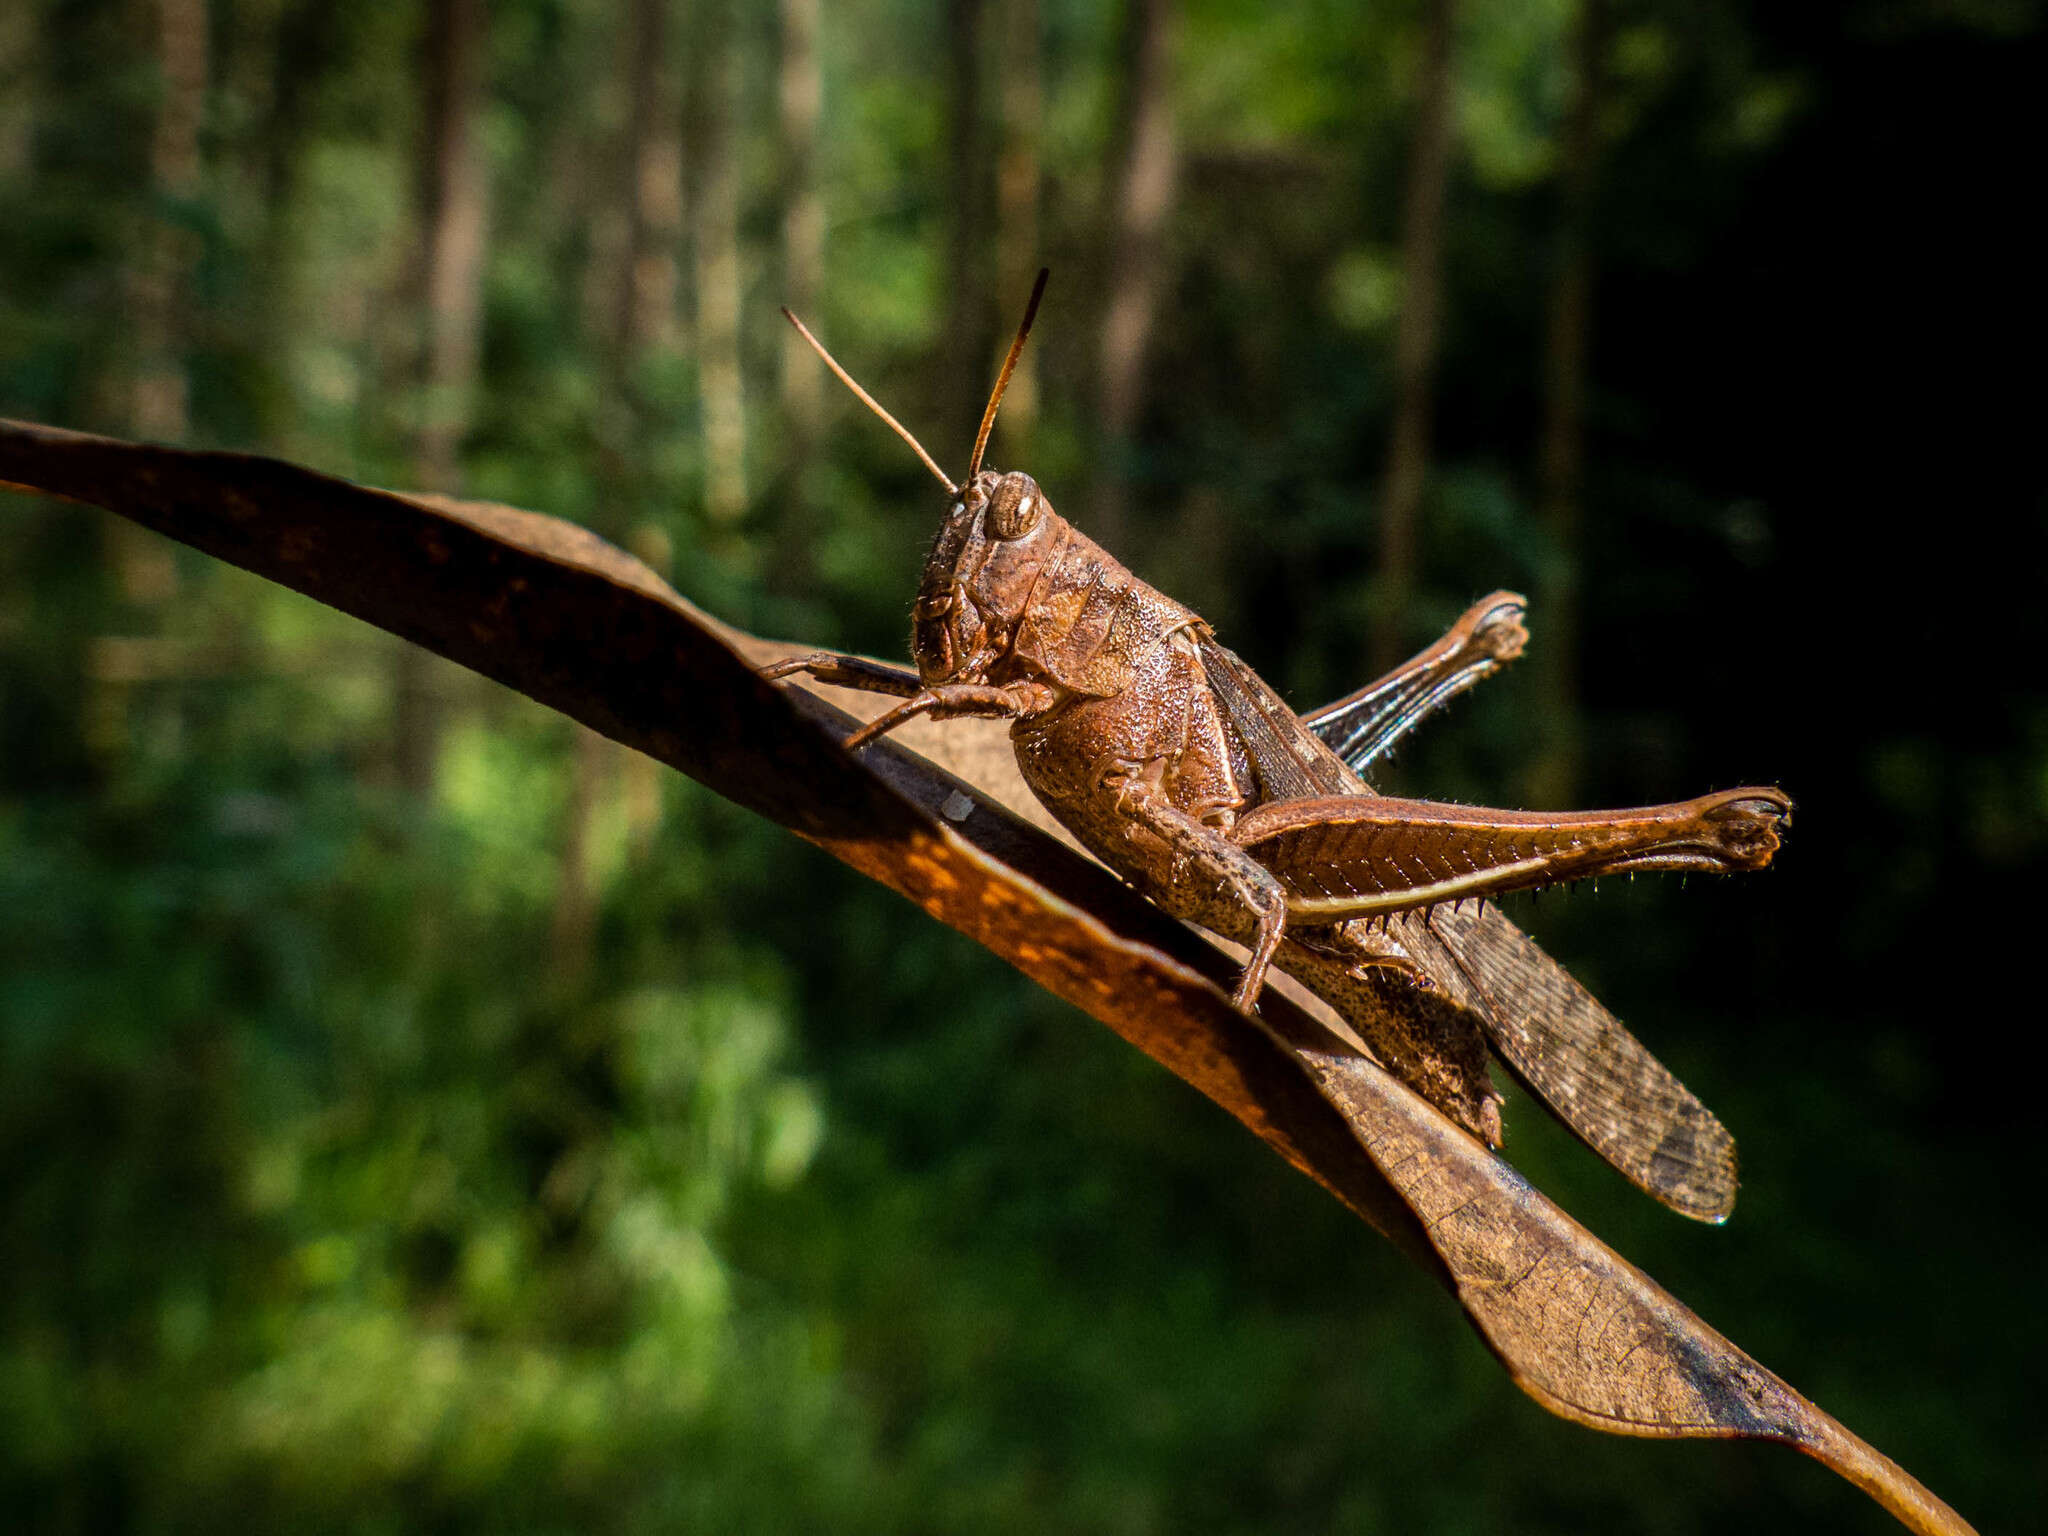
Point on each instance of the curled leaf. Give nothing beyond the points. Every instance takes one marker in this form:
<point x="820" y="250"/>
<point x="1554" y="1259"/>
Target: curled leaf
<point x="556" y="613"/>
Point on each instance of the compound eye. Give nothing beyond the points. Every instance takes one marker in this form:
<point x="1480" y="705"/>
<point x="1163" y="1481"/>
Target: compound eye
<point x="1016" y="507"/>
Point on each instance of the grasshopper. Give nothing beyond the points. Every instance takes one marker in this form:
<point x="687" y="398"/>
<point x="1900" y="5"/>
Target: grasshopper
<point x="1171" y="761"/>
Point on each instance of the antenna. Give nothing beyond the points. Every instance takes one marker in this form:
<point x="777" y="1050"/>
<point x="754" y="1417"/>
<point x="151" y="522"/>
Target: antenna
<point x="988" y="417"/>
<point x="870" y="402"/>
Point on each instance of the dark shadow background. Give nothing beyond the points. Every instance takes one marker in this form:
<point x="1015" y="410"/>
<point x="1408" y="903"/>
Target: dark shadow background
<point x="414" y="1116"/>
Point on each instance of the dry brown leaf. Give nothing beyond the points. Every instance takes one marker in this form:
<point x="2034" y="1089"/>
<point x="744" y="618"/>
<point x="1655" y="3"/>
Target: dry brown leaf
<point x="551" y="610"/>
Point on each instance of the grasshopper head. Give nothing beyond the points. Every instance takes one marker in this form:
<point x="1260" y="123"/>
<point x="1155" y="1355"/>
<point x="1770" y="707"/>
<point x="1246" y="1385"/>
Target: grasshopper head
<point x="990" y="548"/>
<point x="998" y="533"/>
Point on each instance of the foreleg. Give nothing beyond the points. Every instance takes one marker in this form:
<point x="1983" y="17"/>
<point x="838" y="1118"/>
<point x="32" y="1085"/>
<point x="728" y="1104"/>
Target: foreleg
<point x="954" y="701"/>
<point x="944" y="701"/>
<point x="855" y="672"/>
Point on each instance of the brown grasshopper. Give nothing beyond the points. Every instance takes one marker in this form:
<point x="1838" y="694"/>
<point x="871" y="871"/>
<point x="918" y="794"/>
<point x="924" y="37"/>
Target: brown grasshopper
<point x="1171" y="761"/>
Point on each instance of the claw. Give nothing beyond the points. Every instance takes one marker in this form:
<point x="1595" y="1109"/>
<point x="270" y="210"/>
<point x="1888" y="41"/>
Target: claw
<point x="1749" y="824"/>
<point x="1499" y="631"/>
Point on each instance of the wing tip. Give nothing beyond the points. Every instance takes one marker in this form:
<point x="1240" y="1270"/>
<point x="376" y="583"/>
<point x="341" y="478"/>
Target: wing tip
<point x="1693" y="1168"/>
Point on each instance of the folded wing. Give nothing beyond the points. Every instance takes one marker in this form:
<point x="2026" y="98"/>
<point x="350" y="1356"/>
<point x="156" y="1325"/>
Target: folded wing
<point x="1581" y="1061"/>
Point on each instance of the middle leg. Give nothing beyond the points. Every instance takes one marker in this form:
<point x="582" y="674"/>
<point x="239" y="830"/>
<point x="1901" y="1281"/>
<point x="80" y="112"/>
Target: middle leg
<point x="1365" y="725"/>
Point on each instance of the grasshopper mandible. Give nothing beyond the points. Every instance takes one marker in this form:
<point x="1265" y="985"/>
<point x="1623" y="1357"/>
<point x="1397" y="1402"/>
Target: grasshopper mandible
<point x="1176" y="765"/>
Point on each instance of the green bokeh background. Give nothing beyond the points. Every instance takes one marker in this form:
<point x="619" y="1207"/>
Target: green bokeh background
<point x="338" y="1191"/>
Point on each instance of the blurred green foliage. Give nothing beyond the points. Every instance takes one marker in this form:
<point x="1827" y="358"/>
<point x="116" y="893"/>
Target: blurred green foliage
<point x="345" y="1188"/>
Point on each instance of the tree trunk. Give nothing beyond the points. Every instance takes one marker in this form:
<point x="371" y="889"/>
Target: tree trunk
<point x="1017" y="191"/>
<point x="159" y="281"/>
<point x="630" y="302"/>
<point x="646" y="320"/>
<point x="1135" y="268"/>
<point x="642" y="277"/>
<point x="1554" y="770"/>
<point x="573" y="923"/>
<point x="801" y="383"/>
<point x="305" y="53"/>
<point x="451" y="193"/>
<point x="632" y="274"/>
<point x="720" y="389"/>
<point x="160" y="276"/>
<point x="20" y="44"/>
<point x="964" y="373"/>
<point x="1415" y="339"/>
<point x="451" y="216"/>
<point x="800" y="98"/>
<point x="147" y="389"/>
